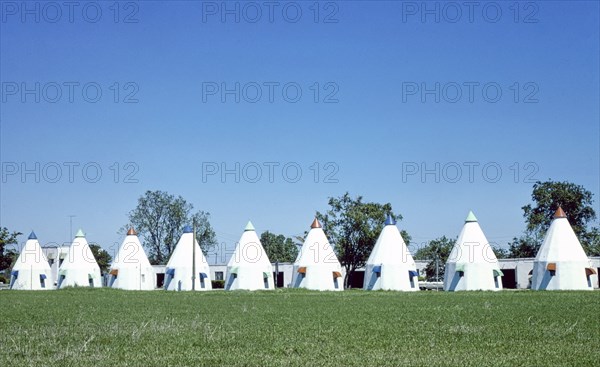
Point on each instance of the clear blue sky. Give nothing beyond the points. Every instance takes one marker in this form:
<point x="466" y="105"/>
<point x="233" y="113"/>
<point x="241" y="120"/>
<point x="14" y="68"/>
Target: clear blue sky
<point x="374" y="56"/>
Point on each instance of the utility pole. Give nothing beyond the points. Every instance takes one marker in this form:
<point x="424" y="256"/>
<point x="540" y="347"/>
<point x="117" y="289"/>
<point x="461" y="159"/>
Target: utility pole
<point x="437" y="267"/>
<point x="194" y="256"/>
<point x="71" y="226"/>
<point x="276" y="273"/>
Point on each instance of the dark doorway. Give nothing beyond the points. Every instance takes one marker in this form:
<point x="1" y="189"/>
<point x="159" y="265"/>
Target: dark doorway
<point x="357" y="279"/>
<point x="160" y="280"/>
<point x="598" y="275"/>
<point x="509" y="280"/>
<point x="278" y="280"/>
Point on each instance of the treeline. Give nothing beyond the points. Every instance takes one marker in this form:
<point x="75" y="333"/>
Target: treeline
<point x="352" y="226"/>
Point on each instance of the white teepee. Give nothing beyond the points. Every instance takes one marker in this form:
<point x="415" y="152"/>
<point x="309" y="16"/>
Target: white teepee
<point x="31" y="271"/>
<point x="249" y="267"/>
<point x="561" y="263"/>
<point x="79" y="268"/>
<point x="390" y="265"/>
<point x="130" y="268"/>
<point x="472" y="264"/>
<point x="316" y="266"/>
<point x="180" y="268"/>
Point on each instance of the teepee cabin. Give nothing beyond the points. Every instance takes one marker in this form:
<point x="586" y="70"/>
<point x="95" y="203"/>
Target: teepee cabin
<point x="316" y="266"/>
<point x="561" y="263"/>
<point x="130" y="268"/>
<point x="249" y="267"/>
<point x="31" y="270"/>
<point x="472" y="264"/>
<point x="185" y="259"/>
<point x="79" y="268"/>
<point x="390" y="265"/>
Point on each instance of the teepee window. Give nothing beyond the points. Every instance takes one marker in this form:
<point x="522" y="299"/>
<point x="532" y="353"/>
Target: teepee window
<point x="43" y="280"/>
<point x="377" y="270"/>
<point x="230" y="280"/>
<point x="13" y="278"/>
<point x="336" y="275"/>
<point x="411" y="276"/>
<point x="202" y="277"/>
<point x="170" y="273"/>
<point x="61" y="278"/>
<point x="497" y="274"/>
<point x="113" y="276"/>
<point x="301" y="273"/>
<point x="91" y="280"/>
<point x="588" y="273"/>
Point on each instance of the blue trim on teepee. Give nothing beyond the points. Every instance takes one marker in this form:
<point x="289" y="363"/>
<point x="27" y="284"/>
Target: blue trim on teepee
<point x="187" y="229"/>
<point x="390" y="221"/>
<point x="32" y="236"/>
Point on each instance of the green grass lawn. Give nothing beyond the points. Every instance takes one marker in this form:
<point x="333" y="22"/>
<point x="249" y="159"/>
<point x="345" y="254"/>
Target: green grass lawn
<point x="104" y="327"/>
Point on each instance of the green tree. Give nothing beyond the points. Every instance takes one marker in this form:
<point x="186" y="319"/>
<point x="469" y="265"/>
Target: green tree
<point x="547" y="196"/>
<point x="7" y="257"/>
<point x="102" y="257"/>
<point x="353" y="227"/>
<point x="278" y="247"/>
<point x="591" y="242"/>
<point x="159" y="218"/>
<point x="500" y="252"/>
<point x="524" y="246"/>
<point x="437" y="251"/>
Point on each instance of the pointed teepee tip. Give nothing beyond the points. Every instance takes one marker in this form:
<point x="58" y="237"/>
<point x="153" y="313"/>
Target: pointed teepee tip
<point x="249" y="227"/>
<point x="187" y="229"/>
<point x="390" y="221"/>
<point x="80" y="233"/>
<point x="131" y="232"/>
<point x="471" y="217"/>
<point x="559" y="213"/>
<point x="315" y="224"/>
<point x="32" y="236"/>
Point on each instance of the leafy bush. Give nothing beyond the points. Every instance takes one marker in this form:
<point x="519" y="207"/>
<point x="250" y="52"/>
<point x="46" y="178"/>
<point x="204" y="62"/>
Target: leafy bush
<point x="218" y="284"/>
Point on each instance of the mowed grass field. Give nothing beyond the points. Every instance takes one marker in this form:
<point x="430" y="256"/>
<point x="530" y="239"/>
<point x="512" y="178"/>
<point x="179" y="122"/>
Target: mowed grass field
<point x="105" y="327"/>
